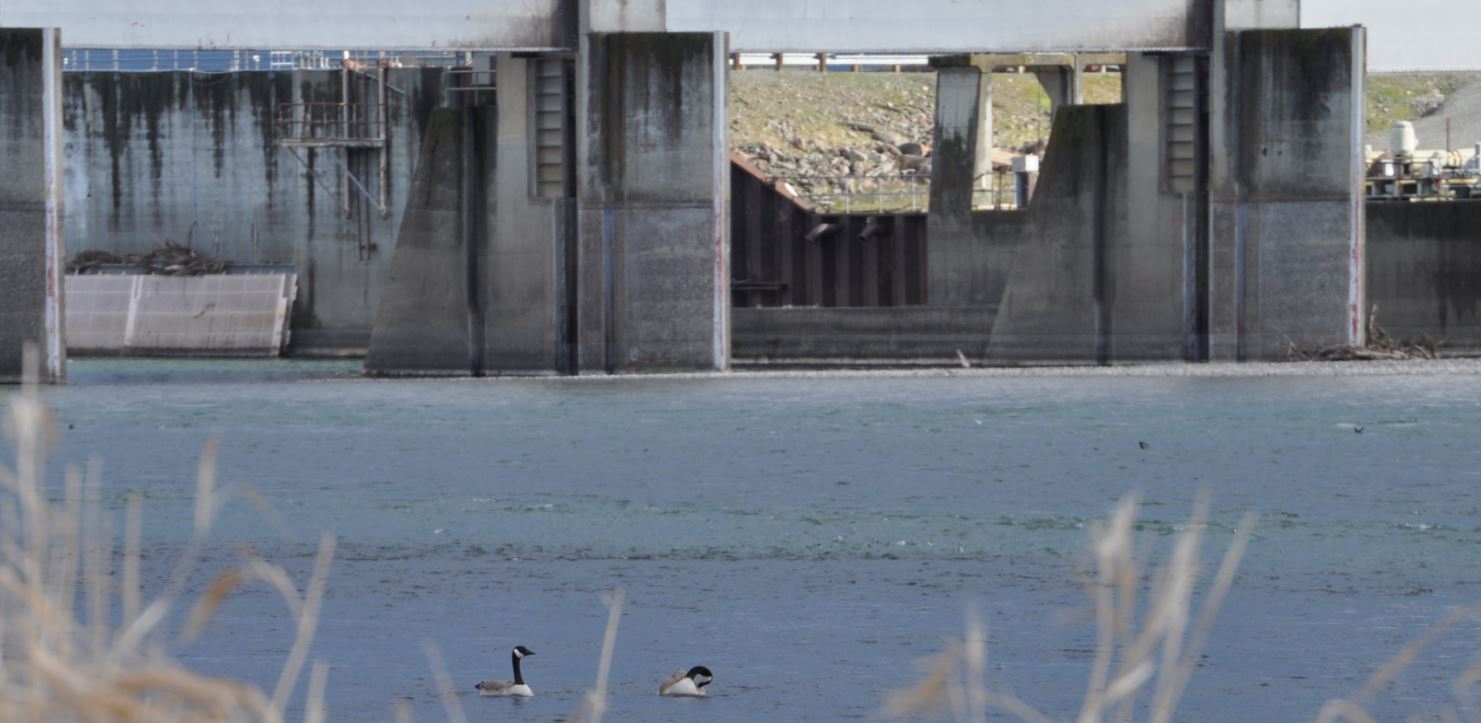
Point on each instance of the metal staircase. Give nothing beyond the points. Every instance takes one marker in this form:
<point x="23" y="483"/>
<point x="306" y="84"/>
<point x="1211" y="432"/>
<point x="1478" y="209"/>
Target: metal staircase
<point x="356" y="125"/>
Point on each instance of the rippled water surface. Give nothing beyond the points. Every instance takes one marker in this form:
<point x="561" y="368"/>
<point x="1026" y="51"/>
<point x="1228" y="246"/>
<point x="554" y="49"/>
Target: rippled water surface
<point x="806" y="539"/>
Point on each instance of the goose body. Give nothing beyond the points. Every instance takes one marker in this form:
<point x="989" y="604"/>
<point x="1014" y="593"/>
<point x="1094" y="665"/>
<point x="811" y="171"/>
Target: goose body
<point x="516" y="688"/>
<point x="690" y="684"/>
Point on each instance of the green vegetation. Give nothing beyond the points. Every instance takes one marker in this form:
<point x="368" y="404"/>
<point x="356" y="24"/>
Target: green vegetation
<point x="776" y="108"/>
<point x="1409" y="96"/>
<point x="781" y="109"/>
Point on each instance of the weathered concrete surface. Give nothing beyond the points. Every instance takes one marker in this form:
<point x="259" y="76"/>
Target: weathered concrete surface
<point x="331" y="25"/>
<point x="653" y="170"/>
<point x="1152" y="278"/>
<point x="1097" y="268"/>
<point x="1424" y="271"/>
<point x="1286" y="225"/>
<point x="523" y="275"/>
<point x="30" y="206"/>
<point x="957" y="276"/>
<point x="478" y="284"/>
<point x="194" y="158"/>
<point x="944" y="26"/>
<point x="843" y="336"/>
<point x="1055" y="304"/>
<point x="1064" y="86"/>
<point x="425" y="320"/>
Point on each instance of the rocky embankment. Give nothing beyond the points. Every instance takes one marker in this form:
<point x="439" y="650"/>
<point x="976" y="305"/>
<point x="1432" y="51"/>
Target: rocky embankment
<point x="804" y="124"/>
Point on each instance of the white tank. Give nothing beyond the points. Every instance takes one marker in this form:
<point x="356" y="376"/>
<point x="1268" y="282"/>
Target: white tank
<point x="1473" y="166"/>
<point x="1401" y="140"/>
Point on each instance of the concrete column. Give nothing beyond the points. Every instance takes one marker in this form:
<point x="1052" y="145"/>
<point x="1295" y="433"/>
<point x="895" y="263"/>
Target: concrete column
<point x="430" y="318"/>
<point x="524" y="262"/>
<point x="479" y="281"/>
<point x="1064" y="85"/>
<point x="982" y="167"/>
<point x="31" y="247"/>
<point x="954" y="158"/>
<point x="1152" y="267"/>
<point x="1286" y="175"/>
<point x="653" y="194"/>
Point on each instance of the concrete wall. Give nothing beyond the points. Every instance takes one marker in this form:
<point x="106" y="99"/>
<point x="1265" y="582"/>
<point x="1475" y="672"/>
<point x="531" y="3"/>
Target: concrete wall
<point x="425" y="322"/>
<point x="1098" y="267"/>
<point x="30" y="202"/>
<point x="1424" y="271"/>
<point x="1286" y="248"/>
<point x="866" y="336"/>
<point x="959" y="263"/>
<point x="654" y="188"/>
<point x="479" y="283"/>
<point x="1152" y="285"/>
<point x="946" y="26"/>
<point x="524" y="279"/>
<point x="1055" y="305"/>
<point x="193" y="158"/>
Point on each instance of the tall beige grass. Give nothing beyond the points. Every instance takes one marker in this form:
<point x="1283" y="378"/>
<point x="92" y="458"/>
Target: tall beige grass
<point x="1145" y="651"/>
<point x="63" y="657"/>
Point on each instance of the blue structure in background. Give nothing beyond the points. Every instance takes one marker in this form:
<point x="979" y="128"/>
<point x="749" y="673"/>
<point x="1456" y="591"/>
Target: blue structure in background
<point x="142" y="60"/>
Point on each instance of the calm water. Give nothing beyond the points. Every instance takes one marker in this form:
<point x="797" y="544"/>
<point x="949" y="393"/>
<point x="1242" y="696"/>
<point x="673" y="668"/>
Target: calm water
<point x="806" y="539"/>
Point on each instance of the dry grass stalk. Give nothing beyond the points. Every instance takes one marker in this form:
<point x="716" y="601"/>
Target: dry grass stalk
<point x="594" y="703"/>
<point x="1159" y="650"/>
<point x="445" y="690"/>
<point x="59" y="663"/>
<point x="1351" y="708"/>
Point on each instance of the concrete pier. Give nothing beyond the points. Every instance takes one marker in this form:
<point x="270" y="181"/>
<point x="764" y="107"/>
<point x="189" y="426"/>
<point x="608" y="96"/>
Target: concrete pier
<point x="31" y="248"/>
<point x="1065" y="85"/>
<point x="480" y="280"/>
<point x="1286" y="264"/>
<point x="427" y="315"/>
<point x="654" y="177"/>
<point x="956" y="260"/>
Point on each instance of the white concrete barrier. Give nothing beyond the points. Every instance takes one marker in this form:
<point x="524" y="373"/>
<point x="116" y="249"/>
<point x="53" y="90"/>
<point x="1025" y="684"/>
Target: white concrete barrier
<point x="217" y="315"/>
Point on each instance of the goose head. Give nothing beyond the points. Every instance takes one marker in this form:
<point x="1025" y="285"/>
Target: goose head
<point x="700" y="675"/>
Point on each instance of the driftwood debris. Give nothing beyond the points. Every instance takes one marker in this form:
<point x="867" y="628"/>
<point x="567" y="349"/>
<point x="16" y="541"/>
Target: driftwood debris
<point x="1380" y="347"/>
<point x="171" y="259"/>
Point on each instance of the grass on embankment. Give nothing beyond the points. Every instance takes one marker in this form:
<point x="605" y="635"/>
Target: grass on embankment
<point x="771" y="107"/>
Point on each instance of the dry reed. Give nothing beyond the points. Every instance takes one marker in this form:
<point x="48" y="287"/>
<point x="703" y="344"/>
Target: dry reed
<point x="1144" y="653"/>
<point x="594" y="703"/>
<point x="59" y="663"/>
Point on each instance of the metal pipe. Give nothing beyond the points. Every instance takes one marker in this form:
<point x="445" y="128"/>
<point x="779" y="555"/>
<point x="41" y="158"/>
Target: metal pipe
<point x="385" y="136"/>
<point x="344" y="119"/>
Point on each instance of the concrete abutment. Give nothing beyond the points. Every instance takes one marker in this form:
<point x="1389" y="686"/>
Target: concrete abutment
<point x="31" y="247"/>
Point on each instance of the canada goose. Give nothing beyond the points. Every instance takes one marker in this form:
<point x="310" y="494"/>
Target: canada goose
<point x="517" y="687"/>
<point x="688" y="684"/>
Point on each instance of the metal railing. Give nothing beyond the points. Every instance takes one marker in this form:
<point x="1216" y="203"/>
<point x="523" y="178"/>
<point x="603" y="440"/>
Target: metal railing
<point x="330" y="124"/>
<point x="896" y="193"/>
<point x="203" y="60"/>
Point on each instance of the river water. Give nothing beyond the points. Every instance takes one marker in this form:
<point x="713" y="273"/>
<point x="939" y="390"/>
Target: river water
<point x="806" y="538"/>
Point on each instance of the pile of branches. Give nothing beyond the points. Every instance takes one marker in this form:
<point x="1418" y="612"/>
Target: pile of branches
<point x="171" y="259"/>
<point x="1380" y="347"/>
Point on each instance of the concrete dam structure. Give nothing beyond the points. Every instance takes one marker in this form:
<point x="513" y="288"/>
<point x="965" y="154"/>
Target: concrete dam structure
<point x="577" y="214"/>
